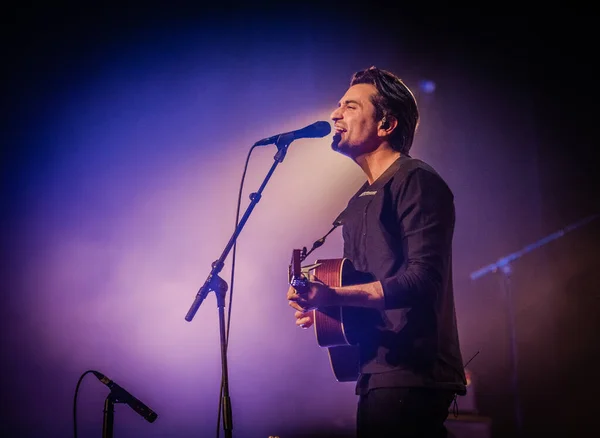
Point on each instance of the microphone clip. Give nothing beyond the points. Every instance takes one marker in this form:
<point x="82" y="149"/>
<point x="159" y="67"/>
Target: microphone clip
<point x="282" y="143"/>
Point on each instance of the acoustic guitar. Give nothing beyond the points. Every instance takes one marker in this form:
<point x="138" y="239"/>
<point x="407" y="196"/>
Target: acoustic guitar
<point x="336" y="328"/>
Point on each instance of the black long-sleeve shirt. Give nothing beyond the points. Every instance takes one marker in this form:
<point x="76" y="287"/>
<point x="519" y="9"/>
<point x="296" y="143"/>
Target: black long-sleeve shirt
<point x="399" y="229"/>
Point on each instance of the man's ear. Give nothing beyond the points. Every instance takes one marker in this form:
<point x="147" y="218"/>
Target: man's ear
<point x="388" y="124"/>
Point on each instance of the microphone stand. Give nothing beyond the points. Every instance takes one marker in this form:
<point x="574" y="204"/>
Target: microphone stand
<point x="503" y="265"/>
<point x="216" y="284"/>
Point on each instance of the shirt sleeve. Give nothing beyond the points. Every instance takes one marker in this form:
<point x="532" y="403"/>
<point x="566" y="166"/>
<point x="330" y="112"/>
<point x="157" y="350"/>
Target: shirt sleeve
<point x="426" y="215"/>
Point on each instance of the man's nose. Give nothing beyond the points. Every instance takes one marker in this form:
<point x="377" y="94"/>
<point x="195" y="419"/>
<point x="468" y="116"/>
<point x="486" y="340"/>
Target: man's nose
<point x="336" y="114"/>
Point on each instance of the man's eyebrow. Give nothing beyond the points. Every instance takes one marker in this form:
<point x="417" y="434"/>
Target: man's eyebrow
<point x="348" y="101"/>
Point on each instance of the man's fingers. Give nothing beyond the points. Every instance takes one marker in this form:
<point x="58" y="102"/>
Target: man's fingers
<point x="296" y="306"/>
<point x="291" y="293"/>
<point x="305" y="322"/>
<point x="304" y="319"/>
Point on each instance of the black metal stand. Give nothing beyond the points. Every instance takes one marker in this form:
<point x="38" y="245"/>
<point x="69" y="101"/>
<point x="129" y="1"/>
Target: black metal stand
<point x="510" y="313"/>
<point x="503" y="265"/>
<point x="219" y="286"/>
<point x="109" y="415"/>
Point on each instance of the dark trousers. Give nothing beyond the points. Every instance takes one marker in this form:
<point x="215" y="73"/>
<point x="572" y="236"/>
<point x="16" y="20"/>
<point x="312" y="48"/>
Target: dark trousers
<point x="403" y="413"/>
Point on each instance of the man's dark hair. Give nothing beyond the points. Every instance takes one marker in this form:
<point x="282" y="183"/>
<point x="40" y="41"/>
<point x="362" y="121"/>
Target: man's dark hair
<point x="394" y="99"/>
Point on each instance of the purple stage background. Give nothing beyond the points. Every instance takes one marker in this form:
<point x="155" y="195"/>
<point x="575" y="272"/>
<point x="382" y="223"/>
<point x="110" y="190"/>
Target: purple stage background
<point x="127" y="138"/>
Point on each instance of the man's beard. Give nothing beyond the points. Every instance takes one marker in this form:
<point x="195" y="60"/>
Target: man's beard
<point x="335" y="143"/>
<point x="341" y="147"/>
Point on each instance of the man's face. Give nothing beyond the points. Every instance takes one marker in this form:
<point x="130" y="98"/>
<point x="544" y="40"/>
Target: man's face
<point x="354" y="122"/>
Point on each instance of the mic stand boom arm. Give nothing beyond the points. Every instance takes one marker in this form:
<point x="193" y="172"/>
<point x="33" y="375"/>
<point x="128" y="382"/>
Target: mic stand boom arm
<point x="219" y="286"/>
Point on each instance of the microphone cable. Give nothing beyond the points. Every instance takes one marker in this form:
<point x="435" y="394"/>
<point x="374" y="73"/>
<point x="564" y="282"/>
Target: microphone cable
<point x="75" y="402"/>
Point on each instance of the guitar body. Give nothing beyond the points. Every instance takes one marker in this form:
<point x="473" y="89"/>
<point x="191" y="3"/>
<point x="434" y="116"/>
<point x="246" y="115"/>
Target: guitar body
<point x="337" y="328"/>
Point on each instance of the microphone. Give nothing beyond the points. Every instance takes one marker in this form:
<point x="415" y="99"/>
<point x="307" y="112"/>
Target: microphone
<point x="125" y="397"/>
<point x="316" y="130"/>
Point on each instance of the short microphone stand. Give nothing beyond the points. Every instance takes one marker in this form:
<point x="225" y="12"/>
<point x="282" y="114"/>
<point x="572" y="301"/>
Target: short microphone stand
<point x="109" y="415"/>
<point x="503" y="265"/>
<point x="219" y="286"/>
